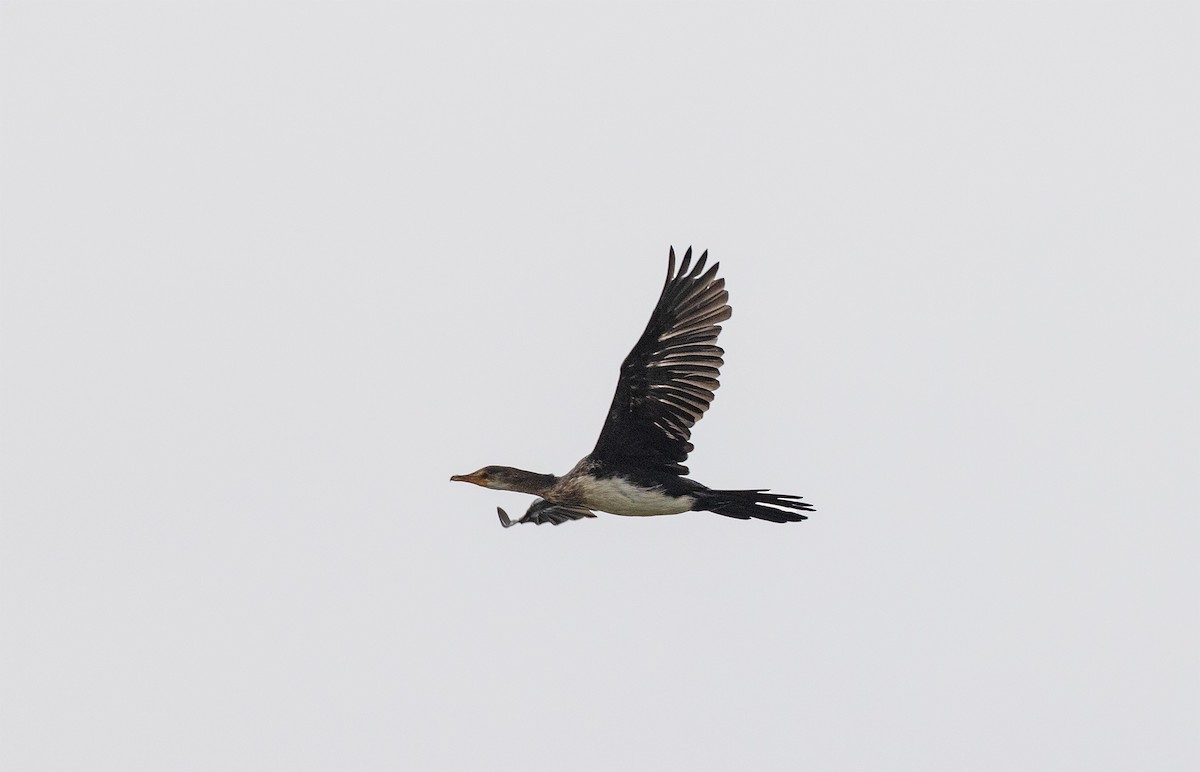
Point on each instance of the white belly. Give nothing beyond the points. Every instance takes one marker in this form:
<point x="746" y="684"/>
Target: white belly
<point x="618" y="496"/>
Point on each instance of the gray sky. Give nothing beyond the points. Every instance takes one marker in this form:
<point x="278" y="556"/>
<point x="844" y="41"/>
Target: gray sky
<point x="271" y="272"/>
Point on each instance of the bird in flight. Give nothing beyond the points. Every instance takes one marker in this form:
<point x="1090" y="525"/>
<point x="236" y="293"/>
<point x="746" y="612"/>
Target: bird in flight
<point x="666" y="384"/>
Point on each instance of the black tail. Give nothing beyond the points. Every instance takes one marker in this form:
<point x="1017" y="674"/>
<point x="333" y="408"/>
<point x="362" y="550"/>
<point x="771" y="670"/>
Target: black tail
<point x="743" y="505"/>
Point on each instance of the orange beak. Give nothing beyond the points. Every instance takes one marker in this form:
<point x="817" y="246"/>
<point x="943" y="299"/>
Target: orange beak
<point x="478" y="478"/>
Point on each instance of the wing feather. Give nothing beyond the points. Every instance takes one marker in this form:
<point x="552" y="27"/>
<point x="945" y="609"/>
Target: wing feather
<point x="542" y="511"/>
<point x="668" y="379"/>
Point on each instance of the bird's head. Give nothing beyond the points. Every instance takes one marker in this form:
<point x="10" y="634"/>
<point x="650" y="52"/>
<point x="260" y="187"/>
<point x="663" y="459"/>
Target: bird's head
<point x="505" y="478"/>
<point x="496" y="477"/>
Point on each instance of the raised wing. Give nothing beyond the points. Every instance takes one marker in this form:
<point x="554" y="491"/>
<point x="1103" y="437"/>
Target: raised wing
<point x="542" y="511"/>
<point x="668" y="379"/>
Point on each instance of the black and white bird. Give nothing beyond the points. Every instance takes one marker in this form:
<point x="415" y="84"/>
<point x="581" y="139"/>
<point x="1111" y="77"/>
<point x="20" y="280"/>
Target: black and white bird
<point x="666" y="384"/>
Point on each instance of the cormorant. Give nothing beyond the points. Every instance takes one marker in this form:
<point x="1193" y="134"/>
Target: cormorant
<point x="666" y="384"/>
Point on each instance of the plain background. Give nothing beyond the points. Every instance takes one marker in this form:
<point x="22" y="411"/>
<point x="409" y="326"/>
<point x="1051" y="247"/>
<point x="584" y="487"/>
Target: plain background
<point x="273" y="271"/>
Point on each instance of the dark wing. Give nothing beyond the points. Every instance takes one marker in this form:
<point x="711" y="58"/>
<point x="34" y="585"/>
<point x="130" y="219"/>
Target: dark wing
<point x="668" y="379"/>
<point x="542" y="511"/>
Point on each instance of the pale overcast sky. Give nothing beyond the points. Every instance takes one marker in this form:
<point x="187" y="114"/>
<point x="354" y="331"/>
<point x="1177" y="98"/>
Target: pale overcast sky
<point x="272" y="272"/>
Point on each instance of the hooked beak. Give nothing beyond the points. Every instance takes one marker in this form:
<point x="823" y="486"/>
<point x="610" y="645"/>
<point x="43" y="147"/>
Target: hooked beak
<point x="474" y="477"/>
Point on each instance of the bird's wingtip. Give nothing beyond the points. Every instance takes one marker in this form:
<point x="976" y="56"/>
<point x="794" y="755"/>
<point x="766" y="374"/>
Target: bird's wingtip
<point x="687" y="262"/>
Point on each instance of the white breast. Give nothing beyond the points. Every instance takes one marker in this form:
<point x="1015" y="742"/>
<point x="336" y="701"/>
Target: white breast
<point x="618" y="496"/>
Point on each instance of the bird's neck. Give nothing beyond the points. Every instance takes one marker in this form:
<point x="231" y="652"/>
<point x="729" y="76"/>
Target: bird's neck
<point x="529" y="482"/>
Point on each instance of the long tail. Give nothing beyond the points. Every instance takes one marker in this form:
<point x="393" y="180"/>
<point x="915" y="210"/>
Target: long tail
<point x="759" y="504"/>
